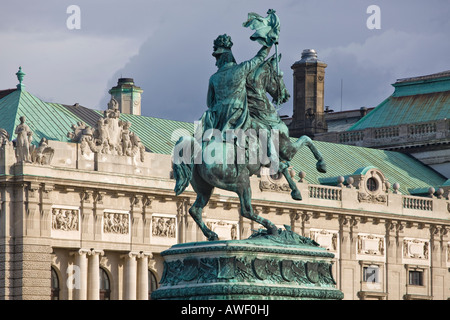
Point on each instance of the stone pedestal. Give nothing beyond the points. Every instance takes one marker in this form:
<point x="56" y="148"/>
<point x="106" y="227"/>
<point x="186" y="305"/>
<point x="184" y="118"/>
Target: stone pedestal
<point x="276" y="267"/>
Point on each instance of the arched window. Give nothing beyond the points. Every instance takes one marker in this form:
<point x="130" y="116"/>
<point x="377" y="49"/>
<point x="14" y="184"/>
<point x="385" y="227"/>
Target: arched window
<point x="55" y="285"/>
<point x="105" y="285"/>
<point x="152" y="284"/>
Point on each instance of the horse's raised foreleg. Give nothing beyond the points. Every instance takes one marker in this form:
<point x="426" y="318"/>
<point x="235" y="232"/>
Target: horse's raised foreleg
<point x="305" y="140"/>
<point x="245" y="196"/>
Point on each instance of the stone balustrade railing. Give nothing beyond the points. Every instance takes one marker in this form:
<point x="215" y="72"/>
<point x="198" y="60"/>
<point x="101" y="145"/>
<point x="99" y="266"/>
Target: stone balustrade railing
<point x="435" y="204"/>
<point x="325" y="193"/>
<point x="390" y="137"/>
<point x="417" y="203"/>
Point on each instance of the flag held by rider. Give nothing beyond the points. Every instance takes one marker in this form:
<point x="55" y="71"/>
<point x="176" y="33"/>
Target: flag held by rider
<point x="266" y="29"/>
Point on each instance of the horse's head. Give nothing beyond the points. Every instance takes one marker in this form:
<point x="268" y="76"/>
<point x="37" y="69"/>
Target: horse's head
<point x="276" y="86"/>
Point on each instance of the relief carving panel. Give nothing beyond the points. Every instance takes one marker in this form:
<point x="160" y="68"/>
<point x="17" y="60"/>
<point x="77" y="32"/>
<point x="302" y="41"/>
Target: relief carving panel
<point x="164" y="229"/>
<point x="65" y="222"/>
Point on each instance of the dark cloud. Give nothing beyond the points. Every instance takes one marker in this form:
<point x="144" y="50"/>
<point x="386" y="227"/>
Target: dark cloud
<point x="166" y="45"/>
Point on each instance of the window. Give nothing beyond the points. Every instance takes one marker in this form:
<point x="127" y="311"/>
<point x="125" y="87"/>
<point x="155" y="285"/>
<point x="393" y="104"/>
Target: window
<point x="55" y="285"/>
<point x="372" y="184"/>
<point x="152" y="283"/>
<point x="416" y="277"/>
<point x="105" y="286"/>
<point x="370" y="274"/>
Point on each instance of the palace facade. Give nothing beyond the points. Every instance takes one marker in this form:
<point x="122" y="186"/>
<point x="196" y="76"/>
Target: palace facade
<point x="87" y="206"/>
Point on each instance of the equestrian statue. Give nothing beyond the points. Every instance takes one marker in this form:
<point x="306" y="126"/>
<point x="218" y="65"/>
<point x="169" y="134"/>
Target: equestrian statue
<point x="241" y="131"/>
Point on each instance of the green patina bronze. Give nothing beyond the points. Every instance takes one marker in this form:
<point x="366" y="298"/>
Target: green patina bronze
<point x="273" y="263"/>
<point x="282" y="266"/>
<point x="237" y="102"/>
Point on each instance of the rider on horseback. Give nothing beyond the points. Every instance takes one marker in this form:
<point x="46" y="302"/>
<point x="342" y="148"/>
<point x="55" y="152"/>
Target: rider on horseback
<point x="227" y="94"/>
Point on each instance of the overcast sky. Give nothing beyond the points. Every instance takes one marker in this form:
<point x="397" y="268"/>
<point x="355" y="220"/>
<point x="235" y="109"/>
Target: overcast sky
<point x="166" y="46"/>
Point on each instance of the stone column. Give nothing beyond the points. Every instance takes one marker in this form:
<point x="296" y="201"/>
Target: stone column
<point x="93" y="292"/>
<point x="142" y="276"/>
<point x="79" y="280"/>
<point x="130" y="276"/>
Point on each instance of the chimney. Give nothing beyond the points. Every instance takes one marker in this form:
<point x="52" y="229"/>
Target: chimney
<point x="308" y="115"/>
<point x="127" y="95"/>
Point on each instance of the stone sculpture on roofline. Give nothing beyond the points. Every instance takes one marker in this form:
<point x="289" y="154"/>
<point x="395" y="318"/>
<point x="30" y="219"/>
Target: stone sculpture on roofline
<point x="110" y="135"/>
<point x="240" y="134"/>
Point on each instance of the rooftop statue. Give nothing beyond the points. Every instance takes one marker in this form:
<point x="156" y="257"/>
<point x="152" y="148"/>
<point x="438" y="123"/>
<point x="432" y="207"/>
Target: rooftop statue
<point x="241" y="131"/>
<point x="23" y="141"/>
<point x="110" y="135"/>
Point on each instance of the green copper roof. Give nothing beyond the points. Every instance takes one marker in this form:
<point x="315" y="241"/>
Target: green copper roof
<point x="49" y="120"/>
<point x="418" y="99"/>
<point x="344" y="160"/>
<point x="54" y="121"/>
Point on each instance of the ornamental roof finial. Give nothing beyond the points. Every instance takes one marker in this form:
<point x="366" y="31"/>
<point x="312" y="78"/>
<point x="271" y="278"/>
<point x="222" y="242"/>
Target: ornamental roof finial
<point x="20" y="75"/>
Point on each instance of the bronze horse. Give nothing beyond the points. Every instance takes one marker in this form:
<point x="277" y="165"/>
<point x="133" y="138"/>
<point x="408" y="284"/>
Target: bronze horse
<point x="204" y="176"/>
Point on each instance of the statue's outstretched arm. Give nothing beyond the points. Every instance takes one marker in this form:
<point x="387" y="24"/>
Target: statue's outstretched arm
<point x="258" y="59"/>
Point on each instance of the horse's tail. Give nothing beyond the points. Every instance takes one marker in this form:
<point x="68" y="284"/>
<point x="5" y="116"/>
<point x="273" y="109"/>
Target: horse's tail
<point x="183" y="163"/>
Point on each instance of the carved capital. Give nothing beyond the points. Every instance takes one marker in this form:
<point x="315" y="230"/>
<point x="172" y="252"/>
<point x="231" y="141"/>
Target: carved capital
<point x="306" y="216"/>
<point x="98" y="197"/>
<point x="294" y="215"/>
<point x="86" y="196"/>
<point x="343" y="221"/>
<point x="80" y="252"/>
<point x="32" y="190"/>
<point x="130" y="255"/>
<point x="136" y="200"/>
<point x="94" y="252"/>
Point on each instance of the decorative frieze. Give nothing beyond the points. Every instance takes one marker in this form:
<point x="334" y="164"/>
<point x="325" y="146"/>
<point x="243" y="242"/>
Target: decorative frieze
<point x="370" y="247"/>
<point x="416" y="251"/>
<point x="226" y="230"/>
<point x="326" y="238"/>
<point x="164" y="229"/>
<point x="116" y="225"/>
<point x="65" y="219"/>
<point x="65" y="222"/>
<point x="372" y="198"/>
<point x="276" y="182"/>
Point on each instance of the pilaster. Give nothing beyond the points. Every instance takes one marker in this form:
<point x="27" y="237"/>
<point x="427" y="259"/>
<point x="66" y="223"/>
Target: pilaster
<point x="87" y="214"/>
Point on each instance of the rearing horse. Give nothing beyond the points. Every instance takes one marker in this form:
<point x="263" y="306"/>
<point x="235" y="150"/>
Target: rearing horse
<point x="264" y="116"/>
<point x="205" y="175"/>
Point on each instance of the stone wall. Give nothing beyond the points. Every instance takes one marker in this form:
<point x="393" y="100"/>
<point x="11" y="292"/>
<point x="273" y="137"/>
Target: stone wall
<point x="122" y="215"/>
